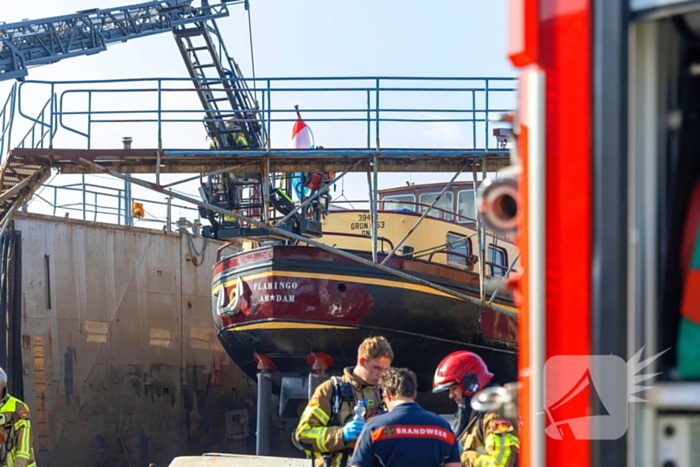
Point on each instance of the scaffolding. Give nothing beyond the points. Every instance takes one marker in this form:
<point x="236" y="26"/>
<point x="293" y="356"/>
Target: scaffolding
<point x="32" y="160"/>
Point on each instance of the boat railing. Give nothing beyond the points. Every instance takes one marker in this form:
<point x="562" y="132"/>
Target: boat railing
<point x="470" y="260"/>
<point x="443" y="214"/>
<point x="381" y="239"/>
<point x="352" y="235"/>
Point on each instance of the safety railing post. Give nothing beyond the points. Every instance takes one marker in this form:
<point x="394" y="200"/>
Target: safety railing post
<point x="486" y="117"/>
<point x="89" y="120"/>
<point x="160" y="130"/>
<point x="119" y="206"/>
<point x="169" y="213"/>
<point x="2" y="142"/>
<point x="53" y="115"/>
<point x="376" y="115"/>
<point x="473" y="119"/>
<point x="269" y="113"/>
<point x="13" y="99"/>
<point x="83" y="191"/>
<point x="369" y="119"/>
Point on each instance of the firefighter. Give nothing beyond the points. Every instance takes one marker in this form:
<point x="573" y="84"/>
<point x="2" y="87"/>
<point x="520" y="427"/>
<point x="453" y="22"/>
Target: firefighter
<point x="233" y="134"/>
<point x="486" y="439"/>
<point x="327" y="430"/>
<point x="236" y="133"/>
<point x="407" y="434"/>
<point x="16" y="432"/>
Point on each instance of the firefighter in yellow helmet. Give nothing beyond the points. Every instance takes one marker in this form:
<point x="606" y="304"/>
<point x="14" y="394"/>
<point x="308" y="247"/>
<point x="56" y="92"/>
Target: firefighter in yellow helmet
<point x="16" y="432"/>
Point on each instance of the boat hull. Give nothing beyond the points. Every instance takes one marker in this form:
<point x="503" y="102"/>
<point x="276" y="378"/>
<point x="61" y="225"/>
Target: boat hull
<point x="296" y="300"/>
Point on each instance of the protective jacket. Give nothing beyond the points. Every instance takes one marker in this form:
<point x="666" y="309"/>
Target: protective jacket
<point x="16" y="444"/>
<point x="489" y="440"/>
<point x="320" y="429"/>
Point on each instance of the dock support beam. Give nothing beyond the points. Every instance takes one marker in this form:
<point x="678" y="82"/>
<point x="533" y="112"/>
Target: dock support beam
<point x="262" y="436"/>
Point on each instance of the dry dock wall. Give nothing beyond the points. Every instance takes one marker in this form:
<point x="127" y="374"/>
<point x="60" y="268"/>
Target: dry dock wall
<point x="120" y="363"/>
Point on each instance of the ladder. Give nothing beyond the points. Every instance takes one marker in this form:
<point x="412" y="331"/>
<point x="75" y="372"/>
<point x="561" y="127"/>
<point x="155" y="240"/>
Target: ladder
<point x="221" y="88"/>
<point x="49" y="40"/>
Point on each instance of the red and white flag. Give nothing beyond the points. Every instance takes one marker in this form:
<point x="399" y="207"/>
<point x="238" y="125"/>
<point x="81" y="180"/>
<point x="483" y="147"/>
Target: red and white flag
<point x="302" y="137"/>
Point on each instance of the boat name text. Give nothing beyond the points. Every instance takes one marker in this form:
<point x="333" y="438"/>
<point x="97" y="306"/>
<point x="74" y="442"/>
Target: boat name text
<point x="277" y="285"/>
<point x="277" y="298"/>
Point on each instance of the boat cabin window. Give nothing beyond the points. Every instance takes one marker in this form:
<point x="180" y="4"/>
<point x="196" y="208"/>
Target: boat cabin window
<point x="466" y="206"/>
<point x="446" y="203"/>
<point x="498" y="261"/>
<point x="396" y="202"/>
<point x="460" y="245"/>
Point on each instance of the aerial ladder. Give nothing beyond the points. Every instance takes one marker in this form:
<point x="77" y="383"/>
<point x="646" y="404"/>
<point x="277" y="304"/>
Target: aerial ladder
<point x="43" y="41"/>
<point x="231" y="110"/>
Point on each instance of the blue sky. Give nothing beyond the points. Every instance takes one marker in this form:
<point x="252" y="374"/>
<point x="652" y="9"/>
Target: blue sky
<point x="311" y="38"/>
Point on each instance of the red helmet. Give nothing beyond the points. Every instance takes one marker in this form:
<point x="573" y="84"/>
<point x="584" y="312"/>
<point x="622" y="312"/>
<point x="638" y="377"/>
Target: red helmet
<point x="463" y="368"/>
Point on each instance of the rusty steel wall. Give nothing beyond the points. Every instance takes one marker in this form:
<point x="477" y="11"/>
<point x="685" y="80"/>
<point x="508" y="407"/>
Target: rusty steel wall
<point x="121" y="363"/>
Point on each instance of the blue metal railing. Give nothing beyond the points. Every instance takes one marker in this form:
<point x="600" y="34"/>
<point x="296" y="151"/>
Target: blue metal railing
<point x="96" y="202"/>
<point x="335" y="108"/>
<point x="7" y="115"/>
<point x="357" y="114"/>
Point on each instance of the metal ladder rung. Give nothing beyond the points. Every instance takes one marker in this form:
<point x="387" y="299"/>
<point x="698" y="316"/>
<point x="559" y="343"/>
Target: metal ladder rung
<point x="205" y="80"/>
<point x="218" y="99"/>
<point x="197" y="49"/>
<point x="208" y="65"/>
<point x="189" y="32"/>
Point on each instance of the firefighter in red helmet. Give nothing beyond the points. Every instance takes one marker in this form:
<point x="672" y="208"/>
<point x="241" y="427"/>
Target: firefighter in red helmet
<point x="487" y="439"/>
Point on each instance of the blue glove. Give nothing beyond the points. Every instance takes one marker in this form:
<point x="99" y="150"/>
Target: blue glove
<point x="352" y="431"/>
<point x="461" y="449"/>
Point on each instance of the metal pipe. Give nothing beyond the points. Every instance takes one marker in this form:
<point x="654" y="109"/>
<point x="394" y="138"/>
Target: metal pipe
<point x="265" y="188"/>
<point x="482" y="240"/>
<point x="169" y="215"/>
<point x="317" y="194"/>
<point x="375" y="207"/>
<point x="510" y="268"/>
<point x="369" y="119"/>
<point x="8" y="217"/>
<point x="346" y="153"/>
<point x="83" y="193"/>
<point x="371" y="214"/>
<point x="293" y="236"/>
<point x="482" y="266"/>
<point x="376" y="109"/>
<point x="486" y="116"/>
<point x="262" y="438"/>
<point x="89" y="121"/>
<point x="447" y="187"/>
<point x="215" y="172"/>
<point x="53" y="109"/>
<point x="160" y="131"/>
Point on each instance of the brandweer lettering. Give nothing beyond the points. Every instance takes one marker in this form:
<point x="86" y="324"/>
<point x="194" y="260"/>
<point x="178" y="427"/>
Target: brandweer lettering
<point x="421" y="431"/>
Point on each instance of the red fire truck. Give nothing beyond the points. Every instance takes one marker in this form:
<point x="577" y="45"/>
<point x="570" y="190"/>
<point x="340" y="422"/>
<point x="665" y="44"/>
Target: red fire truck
<point x="608" y="153"/>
